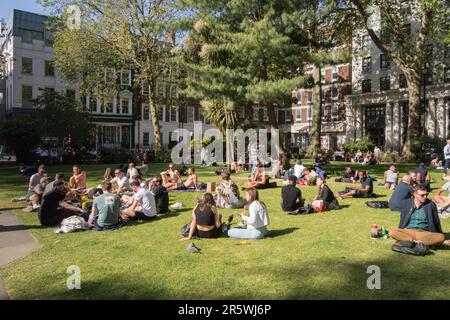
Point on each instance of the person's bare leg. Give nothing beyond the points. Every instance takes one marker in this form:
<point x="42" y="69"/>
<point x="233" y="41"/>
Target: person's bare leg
<point x="171" y="186"/>
<point x="165" y="179"/>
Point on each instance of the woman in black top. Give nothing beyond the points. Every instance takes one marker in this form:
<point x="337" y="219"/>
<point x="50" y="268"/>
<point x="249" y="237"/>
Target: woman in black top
<point x="206" y="221"/>
<point x="326" y="195"/>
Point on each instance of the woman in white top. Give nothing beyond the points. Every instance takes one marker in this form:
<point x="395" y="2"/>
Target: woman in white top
<point x="132" y="171"/>
<point x="257" y="221"/>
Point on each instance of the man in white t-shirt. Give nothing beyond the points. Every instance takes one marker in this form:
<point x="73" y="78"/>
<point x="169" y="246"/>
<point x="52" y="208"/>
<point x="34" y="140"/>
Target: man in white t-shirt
<point x="121" y="180"/>
<point x="443" y="202"/>
<point x="299" y="168"/>
<point x="144" y="205"/>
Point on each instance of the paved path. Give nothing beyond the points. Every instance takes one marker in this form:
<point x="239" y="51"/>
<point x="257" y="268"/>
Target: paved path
<point x="15" y="242"/>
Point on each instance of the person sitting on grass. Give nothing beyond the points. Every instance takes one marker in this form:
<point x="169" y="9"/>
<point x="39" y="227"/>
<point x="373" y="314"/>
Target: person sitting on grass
<point x="422" y="176"/>
<point x="121" y="180"/>
<point x="257" y="220"/>
<point x="172" y="175"/>
<point x="77" y="181"/>
<point x="106" y="208"/>
<point x="33" y="182"/>
<point x="402" y="192"/>
<point x="391" y="178"/>
<point x="291" y="197"/>
<point x="442" y="201"/>
<point x="419" y="220"/>
<point x="132" y="171"/>
<point x="143" y="206"/>
<point x="206" y="220"/>
<point x="190" y="183"/>
<point x="365" y="191"/>
<point x="299" y="168"/>
<point x="310" y="177"/>
<point x="326" y="195"/>
<point x="260" y="179"/>
<point x="160" y="193"/>
<point x="227" y="192"/>
<point x="36" y="197"/>
<point x="54" y="209"/>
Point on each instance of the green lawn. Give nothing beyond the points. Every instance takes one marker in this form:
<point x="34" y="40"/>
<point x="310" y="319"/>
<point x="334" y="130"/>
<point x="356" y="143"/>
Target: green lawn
<point x="319" y="256"/>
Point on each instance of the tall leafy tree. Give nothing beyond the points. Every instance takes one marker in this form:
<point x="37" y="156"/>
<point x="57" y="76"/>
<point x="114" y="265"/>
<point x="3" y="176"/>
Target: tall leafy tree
<point x="408" y="28"/>
<point x="116" y="34"/>
<point x="238" y="54"/>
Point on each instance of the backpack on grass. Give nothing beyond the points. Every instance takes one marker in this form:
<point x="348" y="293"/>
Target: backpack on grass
<point x="378" y="204"/>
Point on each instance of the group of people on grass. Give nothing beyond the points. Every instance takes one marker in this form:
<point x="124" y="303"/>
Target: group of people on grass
<point x="127" y="196"/>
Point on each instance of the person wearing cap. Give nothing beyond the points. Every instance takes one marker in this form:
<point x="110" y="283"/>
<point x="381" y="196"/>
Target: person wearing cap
<point x="53" y="208"/>
<point x="291" y="197"/>
<point x="36" y="197"/>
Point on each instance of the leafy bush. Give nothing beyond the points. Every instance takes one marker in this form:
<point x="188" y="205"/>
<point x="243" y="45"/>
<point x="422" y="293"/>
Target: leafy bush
<point x="116" y="155"/>
<point x="426" y="147"/>
<point x="364" y="144"/>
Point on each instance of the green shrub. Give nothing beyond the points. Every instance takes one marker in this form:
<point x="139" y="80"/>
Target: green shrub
<point x="364" y="144"/>
<point x="116" y="155"/>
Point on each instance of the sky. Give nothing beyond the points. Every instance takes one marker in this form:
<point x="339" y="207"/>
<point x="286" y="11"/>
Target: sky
<point x="6" y="7"/>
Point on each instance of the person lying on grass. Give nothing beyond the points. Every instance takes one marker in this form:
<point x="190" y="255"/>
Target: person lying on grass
<point x="106" y="208"/>
<point x="143" y="206"/>
<point x="257" y="220"/>
<point x="54" y="209"/>
<point x="190" y="183"/>
<point x="442" y="201"/>
<point x="419" y="220"/>
<point x="206" y="220"/>
<point x="365" y="191"/>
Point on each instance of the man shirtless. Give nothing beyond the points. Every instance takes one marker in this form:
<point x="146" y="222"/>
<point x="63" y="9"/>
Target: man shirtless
<point x="170" y="176"/>
<point x="191" y="182"/>
<point x="77" y="181"/>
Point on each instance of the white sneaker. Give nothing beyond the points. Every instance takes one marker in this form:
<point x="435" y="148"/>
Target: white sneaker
<point x="23" y="198"/>
<point x="36" y="207"/>
<point x="177" y="205"/>
<point x="27" y="209"/>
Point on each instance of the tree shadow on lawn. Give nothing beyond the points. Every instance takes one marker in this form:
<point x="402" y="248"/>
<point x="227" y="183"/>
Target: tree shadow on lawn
<point x="402" y="277"/>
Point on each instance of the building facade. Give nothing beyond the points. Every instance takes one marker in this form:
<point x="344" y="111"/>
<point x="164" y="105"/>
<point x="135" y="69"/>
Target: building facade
<point x="378" y="105"/>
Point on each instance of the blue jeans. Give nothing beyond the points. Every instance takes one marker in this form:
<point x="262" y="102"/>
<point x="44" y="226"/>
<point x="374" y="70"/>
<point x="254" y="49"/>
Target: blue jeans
<point x="247" y="233"/>
<point x="446" y="165"/>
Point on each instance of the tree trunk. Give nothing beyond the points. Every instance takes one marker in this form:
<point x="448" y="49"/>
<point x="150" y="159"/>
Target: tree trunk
<point x="414" y="114"/>
<point x="314" y="147"/>
<point x="159" y="148"/>
<point x="274" y="124"/>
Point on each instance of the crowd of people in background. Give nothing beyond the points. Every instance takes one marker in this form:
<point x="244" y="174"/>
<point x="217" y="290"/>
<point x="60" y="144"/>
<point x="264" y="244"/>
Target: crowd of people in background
<point x="125" y="195"/>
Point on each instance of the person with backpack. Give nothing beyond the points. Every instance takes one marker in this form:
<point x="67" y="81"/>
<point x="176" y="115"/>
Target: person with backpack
<point x="419" y="221"/>
<point x="227" y="193"/>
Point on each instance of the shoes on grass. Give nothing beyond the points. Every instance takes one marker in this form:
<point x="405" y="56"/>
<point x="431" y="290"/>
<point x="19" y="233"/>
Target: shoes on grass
<point x="177" y="205"/>
<point x="27" y="209"/>
<point x="416" y="248"/>
<point x="23" y="198"/>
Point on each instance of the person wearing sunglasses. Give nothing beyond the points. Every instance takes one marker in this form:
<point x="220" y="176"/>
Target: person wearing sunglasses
<point x="121" y="180"/>
<point x="419" y="220"/>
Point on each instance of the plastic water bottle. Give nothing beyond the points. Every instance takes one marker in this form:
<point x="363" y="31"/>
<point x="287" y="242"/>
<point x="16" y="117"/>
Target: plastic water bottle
<point x="374" y="231"/>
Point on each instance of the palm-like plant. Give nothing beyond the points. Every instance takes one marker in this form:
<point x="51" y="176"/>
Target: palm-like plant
<point x="222" y="113"/>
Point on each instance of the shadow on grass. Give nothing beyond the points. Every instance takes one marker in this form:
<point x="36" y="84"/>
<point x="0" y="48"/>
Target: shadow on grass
<point x="280" y="232"/>
<point x="19" y="228"/>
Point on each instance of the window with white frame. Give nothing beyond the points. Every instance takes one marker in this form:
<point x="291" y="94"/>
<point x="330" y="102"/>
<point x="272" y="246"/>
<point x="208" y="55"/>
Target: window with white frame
<point x="145" y="112"/>
<point x="298" y="96"/>
<point x="146" y="139"/>
<point x="108" y="106"/>
<point x="310" y="96"/>
<point x="174" y="114"/>
<point x="335" y="73"/>
<point x="365" y="41"/>
<point x="145" y="88"/>
<point x="93" y="103"/>
<point x="256" y="114"/>
<point x="298" y="115"/>
<point x="125" y="78"/>
<point x="202" y="115"/>
<point x="335" y="111"/>
<point x="160" y="111"/>
<point x="287" y="116"/>
<point x="190" y="114"/>
<point x="309" y="113"/>
<point x="160" y="88"/>
<point x="265" y="114"/>
<point x="124" y="106"/>
<point x="174" y="91"/>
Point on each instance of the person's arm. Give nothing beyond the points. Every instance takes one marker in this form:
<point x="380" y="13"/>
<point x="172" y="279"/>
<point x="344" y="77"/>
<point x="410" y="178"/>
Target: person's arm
<point x="385" y="176"/>
<point x="194" y="181"/>
<point x="94" y="210"/>
<point x="263" y="179"/>
<point x="439" y="191"/>
<point x="193" y="226"/>
<point x="30" y="183"/>
<point x="251" y="218"/>
<point x="324" y="194"/>
<point x="217" y="221"/>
